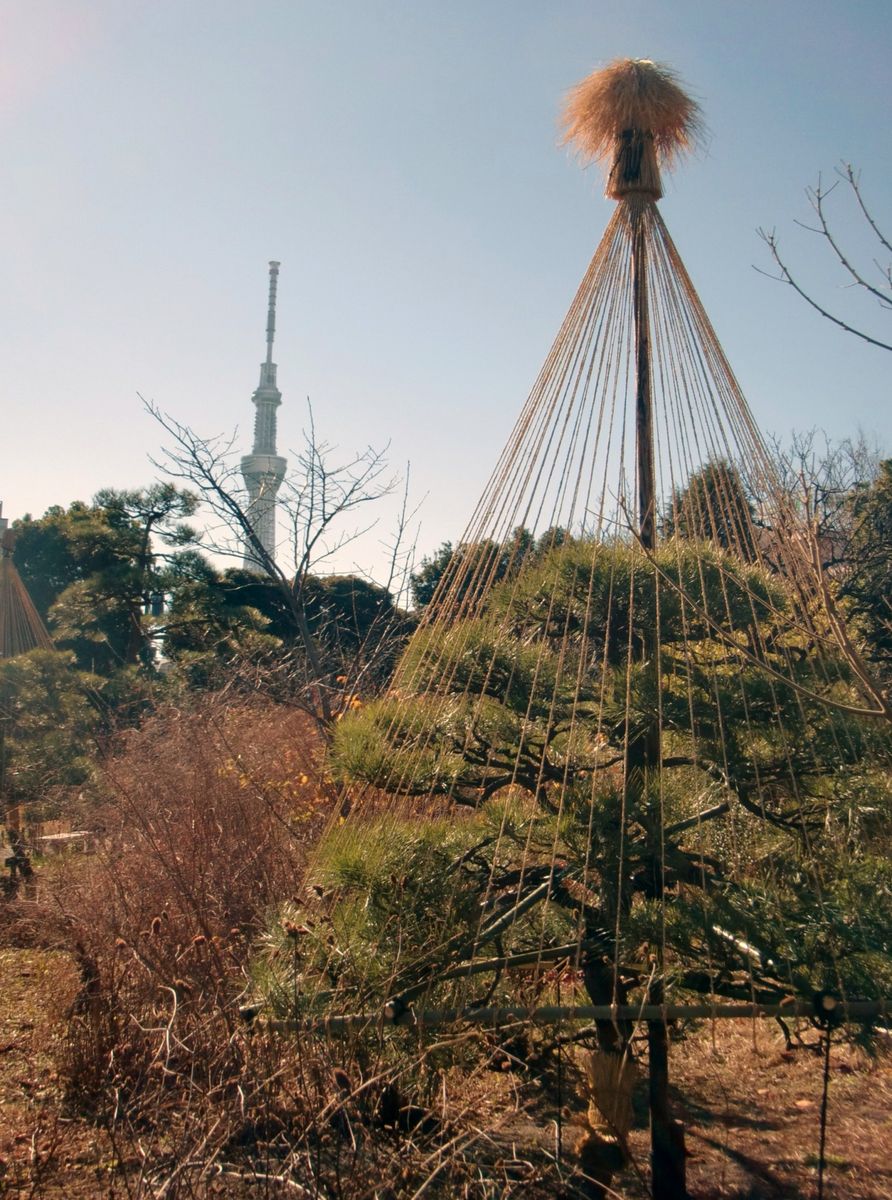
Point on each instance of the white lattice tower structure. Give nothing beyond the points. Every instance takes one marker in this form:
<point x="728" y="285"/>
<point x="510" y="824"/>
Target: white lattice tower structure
<point x="263" y="469"/>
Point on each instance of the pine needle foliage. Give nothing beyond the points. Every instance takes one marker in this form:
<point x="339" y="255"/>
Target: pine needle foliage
<point x="735" y="902"/>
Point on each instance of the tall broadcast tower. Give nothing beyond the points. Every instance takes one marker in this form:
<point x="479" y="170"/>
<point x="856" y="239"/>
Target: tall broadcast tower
<point x="263" y="470"/>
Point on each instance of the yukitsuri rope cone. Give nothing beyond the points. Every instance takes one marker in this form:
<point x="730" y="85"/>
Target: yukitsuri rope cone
<point x="21" y="628"/>
<point x="623" y="748"/>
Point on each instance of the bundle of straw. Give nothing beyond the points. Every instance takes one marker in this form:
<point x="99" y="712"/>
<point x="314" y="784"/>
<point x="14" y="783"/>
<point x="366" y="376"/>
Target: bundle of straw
<point x="634" y="114"/>
<point x="609" y="1080"/>
<point x="603" y="1147"/>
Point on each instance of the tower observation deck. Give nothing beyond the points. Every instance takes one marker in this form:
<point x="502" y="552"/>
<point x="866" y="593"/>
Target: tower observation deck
<point x="263" y="469"/>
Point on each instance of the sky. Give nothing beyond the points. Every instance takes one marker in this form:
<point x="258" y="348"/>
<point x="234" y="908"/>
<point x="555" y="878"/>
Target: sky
<point x="401" y="159"/>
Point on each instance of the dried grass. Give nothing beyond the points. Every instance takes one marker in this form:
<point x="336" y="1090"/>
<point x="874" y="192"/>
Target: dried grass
<point x="208" y="817"/>
<point x="631" y="94"/>
<point x="206" y="823"/>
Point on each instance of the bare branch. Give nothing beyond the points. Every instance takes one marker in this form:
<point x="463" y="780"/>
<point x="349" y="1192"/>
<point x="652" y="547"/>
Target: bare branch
<point x="317" y="495"/>
<point x="770" y="240"/>
<point x="854" y="180"/>
<point x="817" y="197"/>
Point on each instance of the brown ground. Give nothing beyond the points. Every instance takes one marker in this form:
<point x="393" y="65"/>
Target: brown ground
<point x="35" y="1137"/>
<point x="752" y="1116"/>
<point x="751" y="1110"/>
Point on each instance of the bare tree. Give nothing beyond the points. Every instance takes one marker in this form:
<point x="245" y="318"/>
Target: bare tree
<point x="841" y="489"/>
<point x="841" y="492"/>
<point x="821" y="477"/>
<point x="321" y="500"/>
<point x="874" y="280"/>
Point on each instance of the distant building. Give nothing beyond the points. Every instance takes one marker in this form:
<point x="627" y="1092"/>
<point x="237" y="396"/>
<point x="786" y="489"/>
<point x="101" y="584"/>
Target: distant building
<point x="263" y="470"/>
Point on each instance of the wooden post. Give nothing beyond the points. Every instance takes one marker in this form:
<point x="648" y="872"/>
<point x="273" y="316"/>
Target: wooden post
<point x="667" y="1149"/>
<point x="644" y="445"/>
<point x="667" y="1155"/>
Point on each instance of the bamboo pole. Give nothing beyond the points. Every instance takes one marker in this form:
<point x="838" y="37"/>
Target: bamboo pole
<point x="553" y="1014"/>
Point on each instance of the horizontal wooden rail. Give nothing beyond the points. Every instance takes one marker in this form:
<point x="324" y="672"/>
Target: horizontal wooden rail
<point x="554" y="1014"/>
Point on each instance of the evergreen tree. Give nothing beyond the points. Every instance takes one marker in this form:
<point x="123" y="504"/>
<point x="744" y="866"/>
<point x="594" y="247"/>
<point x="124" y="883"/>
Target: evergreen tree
<point x="866" y="575"/>
<point x="472" y="568"/>
<point x="230" y="616"/>
<point x="50" y="714"/>
<point x="714" y="507"/>
<point x="527" y="713"/>
<point x="94" y="570"/>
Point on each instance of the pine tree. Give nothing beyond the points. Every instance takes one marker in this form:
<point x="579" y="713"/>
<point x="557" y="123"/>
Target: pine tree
<point x="525" y="716"/>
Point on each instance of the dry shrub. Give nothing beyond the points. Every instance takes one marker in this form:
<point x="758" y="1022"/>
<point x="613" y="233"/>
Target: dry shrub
<point x="204" y="823"/>
<point x="207" y="817"/>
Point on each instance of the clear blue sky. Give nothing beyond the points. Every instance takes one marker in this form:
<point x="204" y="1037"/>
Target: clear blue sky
<point x="399" y="157"/>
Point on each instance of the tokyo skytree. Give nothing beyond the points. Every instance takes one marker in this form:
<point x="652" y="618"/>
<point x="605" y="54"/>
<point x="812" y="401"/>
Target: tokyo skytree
<point x="263" y="469"/>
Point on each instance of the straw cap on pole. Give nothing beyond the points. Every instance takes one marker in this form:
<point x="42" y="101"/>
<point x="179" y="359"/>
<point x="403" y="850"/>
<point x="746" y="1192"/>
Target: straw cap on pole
<point x="635" y="115"/>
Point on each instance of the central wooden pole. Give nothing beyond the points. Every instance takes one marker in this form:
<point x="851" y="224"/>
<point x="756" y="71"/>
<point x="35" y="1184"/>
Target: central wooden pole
<point x="644" y="443"/>
<point x="667" y="1154"/>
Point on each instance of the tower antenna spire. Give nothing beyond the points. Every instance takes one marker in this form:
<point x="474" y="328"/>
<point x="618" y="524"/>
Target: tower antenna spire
<point x="271" y="310"/>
